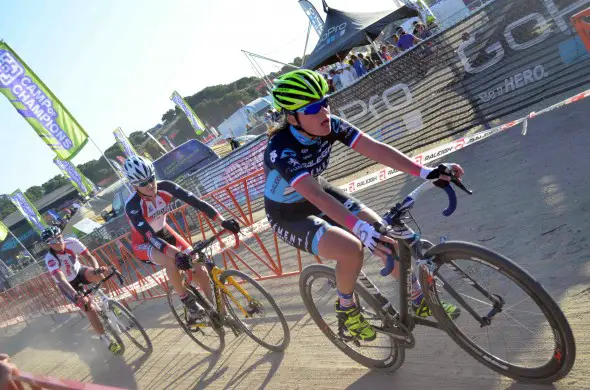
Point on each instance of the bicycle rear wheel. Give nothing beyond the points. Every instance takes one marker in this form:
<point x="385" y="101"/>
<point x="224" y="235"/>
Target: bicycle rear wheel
<point x="203" y="333"/>
<point x="317" y="285"/>
<point x="257" y="312"/>
<point x="130" y="326"/>
<point x="527" y="339"/>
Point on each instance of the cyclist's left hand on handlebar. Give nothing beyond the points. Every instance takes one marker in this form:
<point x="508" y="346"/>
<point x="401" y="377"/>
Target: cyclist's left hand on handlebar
<point x="232" y="225"/>
<point x="100" y="270"/>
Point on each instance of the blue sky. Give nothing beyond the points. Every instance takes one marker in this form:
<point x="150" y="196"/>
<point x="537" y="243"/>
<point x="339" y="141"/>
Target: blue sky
<point x="115" y="63"/>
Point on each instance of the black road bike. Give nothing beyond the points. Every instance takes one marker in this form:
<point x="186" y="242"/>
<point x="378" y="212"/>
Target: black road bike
<point x="508" y="321"/>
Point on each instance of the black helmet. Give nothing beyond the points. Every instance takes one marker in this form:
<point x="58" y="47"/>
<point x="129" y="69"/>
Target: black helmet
<point x="50" y="233"/>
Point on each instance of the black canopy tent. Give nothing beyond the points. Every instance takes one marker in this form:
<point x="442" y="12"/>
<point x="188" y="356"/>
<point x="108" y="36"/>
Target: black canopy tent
<point x="344" y="31"/>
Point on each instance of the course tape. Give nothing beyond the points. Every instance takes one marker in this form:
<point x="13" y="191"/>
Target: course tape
<point x="353" y="186"/>
<point x="428" y="156"/>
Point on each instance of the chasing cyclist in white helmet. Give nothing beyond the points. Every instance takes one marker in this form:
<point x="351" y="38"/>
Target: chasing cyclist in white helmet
<point x="154" y="240"/>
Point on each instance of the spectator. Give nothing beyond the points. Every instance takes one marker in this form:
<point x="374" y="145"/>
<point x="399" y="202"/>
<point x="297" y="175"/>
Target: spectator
<point x="384" y="55"/>
<point x="337" y="78"/>
<point x="347" y="76"/>
<point x="233" y="143"/>
<point x="367" y="62"/>
<point x="422" y="31"/>
<point x="359" y="66"/>
<point x="392" y="50"/>
<point x="375" y="58"/>
<point x="406" y="41"/>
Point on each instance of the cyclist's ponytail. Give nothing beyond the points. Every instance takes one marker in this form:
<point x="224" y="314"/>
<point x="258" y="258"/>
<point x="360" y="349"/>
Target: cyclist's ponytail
<point x="280" y="125"/>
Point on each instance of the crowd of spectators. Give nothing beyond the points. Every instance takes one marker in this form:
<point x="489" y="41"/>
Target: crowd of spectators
<point x="356" y="65"/>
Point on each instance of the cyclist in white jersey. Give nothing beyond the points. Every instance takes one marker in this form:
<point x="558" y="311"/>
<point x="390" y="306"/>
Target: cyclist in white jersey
<point x="70" y="275"/>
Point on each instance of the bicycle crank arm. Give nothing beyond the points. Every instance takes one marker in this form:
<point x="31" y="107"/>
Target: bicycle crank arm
<point x="404" y="338"/>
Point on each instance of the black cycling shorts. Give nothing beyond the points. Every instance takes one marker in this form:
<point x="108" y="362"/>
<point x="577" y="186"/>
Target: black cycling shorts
<point x="77" y="283"/>
<point x="301" y="224"/>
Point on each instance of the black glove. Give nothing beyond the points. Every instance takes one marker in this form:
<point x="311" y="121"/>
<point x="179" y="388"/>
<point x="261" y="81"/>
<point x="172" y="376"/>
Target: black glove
<point x="441" y="170"/>
<point x="183" y="261"/>
<point x="231" y="225"/>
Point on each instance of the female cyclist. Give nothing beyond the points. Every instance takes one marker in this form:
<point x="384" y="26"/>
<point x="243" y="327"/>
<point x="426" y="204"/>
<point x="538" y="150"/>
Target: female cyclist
<point x="307" y="212"/>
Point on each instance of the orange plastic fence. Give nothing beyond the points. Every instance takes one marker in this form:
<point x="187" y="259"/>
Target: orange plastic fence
<point x="261" y="257"/>
<point x="581" y="22"/>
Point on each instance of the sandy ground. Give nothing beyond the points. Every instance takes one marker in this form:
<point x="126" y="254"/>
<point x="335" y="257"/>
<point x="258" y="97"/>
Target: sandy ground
<point x="524" y="188"/>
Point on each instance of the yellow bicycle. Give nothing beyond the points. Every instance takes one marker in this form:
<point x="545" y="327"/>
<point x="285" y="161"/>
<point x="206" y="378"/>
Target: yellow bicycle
<point x="257" y="314"/>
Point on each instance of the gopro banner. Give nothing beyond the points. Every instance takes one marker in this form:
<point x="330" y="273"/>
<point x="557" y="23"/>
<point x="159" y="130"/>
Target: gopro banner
<point x="314" y="17"/>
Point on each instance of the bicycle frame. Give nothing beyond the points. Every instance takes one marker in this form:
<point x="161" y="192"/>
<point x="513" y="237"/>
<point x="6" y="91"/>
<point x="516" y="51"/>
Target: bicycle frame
<point x="214" y="273"/>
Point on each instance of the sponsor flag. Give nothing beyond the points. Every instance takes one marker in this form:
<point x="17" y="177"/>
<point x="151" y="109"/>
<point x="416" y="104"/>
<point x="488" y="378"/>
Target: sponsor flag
<point x="197" y="124"/>
<point x="84" y="186"/>
<point x="314" y="17"/>
<point x="37" y="104"/>
<point x="29" y="211"/>
<point x="124" y="143"/>
<point x="3" y="231"/>
<point x="118" y="167"/>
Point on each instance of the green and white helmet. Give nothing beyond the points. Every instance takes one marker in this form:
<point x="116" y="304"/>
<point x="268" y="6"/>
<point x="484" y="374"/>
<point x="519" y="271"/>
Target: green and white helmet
<point x="298" y="88"/>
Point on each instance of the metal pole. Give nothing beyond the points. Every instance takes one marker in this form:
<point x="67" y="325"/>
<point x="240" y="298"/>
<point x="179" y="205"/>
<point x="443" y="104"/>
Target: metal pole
<point x="112" y="166"/>
<point x="156" y="141"/>
<point x="258" y="72"/>
<point x="376" y="48"/>
<point x="260" y="67"/>
<point x="306" y="40"/>
<point x="270" y="59"/>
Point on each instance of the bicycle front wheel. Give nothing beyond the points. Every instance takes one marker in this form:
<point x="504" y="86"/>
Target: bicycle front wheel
<point x="317" y="285"/>
<point x="508" y="321"/>
<point x="202" y="333"/>
<point x="128" y="324"/>
<point x="255" y="310"/>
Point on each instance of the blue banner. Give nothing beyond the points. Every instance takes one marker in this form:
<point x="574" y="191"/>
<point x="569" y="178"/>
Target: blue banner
<point x="314" y="17"/>
<point x="28" y="211"/>
<point x="197" y="124"/>
<point x="78" y="180"/>
<point x="124" y="143"/>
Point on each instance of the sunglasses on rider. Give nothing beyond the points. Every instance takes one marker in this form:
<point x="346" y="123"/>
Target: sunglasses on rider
<point x="55" y="240"/>
<point x="147" y="182"/>
<point x="314" y="108"/>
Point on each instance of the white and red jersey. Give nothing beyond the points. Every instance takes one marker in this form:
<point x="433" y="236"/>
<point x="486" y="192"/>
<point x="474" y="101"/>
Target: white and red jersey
<point x="148" y="216"/>
<point x="66" y="261"/>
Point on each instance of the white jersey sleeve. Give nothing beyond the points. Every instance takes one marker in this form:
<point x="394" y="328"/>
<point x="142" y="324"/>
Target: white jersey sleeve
<point x="76" y="246"/>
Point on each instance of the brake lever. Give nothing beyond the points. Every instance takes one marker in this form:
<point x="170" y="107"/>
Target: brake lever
<point x="460" y="184"/>
<point x="119" y="276"/>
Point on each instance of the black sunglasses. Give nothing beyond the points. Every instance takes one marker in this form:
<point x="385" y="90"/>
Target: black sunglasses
<point x="147" y="182"/>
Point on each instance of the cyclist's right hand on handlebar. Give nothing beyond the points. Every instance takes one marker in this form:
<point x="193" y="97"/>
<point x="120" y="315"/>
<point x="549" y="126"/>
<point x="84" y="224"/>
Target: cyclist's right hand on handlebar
<point x="442" y="175"/>
<point x="372" y="239"/>
<point x="183" y="261"/>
